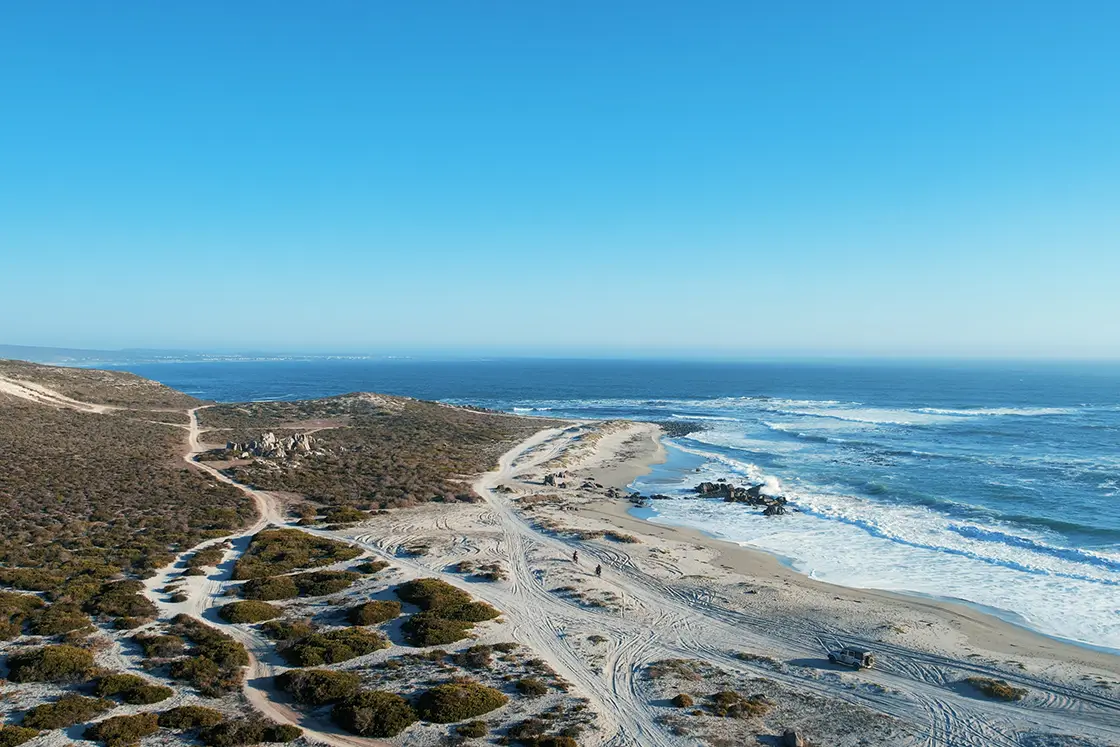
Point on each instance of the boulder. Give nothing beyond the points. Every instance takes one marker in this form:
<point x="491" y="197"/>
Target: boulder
<point x="774" y="509"/>
<point x="791" y="738"/>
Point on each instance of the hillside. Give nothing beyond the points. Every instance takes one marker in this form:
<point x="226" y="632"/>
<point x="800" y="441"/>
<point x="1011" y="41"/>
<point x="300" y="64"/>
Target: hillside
<point x="370" y="451"/>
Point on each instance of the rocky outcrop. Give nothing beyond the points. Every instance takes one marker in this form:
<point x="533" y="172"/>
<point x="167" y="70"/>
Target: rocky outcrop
<point x="752" y="496"/>
<point x="791" y="738"/>
<point x="271" y="446"/>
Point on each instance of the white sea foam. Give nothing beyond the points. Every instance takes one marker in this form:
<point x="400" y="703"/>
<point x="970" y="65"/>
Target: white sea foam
<point x="858" y="542"/>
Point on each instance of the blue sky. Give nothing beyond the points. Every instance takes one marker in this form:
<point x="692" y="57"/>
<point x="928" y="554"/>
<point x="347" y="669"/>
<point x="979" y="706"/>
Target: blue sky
<point x="746" y="178"/>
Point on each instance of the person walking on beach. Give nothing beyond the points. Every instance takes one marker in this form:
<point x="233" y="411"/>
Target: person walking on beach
<point x="599" y="571"/>
<point x="575" y="556"/>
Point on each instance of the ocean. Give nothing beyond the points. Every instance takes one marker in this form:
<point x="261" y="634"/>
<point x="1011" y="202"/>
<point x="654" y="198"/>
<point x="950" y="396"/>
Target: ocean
<point x="996" y="484"/>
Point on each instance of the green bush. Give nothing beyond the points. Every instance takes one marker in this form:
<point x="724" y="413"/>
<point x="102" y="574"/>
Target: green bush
<point x="274" y="551"/>
<point x="730" y="704"/>
<point x="371" y="566"/>
<point x="59" y="618"/>
<point x="66" y="711"/>
<point x="287" y="630"/>
<point x="318" y="686"/>
<point x="475" y="657"/>
<point x="121" y="599"/>
<point x="115" y="684"/>
<point x="320" y="583"/>
<point x="473" y="729"/>
<point x="270" y="589"/>
<point x="132" y="689"/>
<point x="160" y="646"/>
<point x="458" y="701"/>
<point x="375" y="612"/>
<point x="429" y="629"/>
<point x="12" y="736"/>
<point x="210" y="678"/>
<point x="14" y="611"/>
<point x="334" y="646"/>
<point x="531" y="687"/>
<point x="998" y="689"/>
<point x="374" y="713"/>
<point x="431" y="593"/>
<point x="190" y="717"/>
<point x="122" y="731"/>
<point x="249" y="611"/>
<point x="247" y="731"/>
<point x="344" y="515"/>
<point x="51" y="664"/>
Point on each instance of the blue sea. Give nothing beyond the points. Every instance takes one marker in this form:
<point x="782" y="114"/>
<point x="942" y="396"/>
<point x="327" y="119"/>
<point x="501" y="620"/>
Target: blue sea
<point x="994" y="484"/>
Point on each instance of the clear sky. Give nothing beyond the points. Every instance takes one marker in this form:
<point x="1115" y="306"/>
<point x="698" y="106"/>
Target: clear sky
<point x="929" y="178"/>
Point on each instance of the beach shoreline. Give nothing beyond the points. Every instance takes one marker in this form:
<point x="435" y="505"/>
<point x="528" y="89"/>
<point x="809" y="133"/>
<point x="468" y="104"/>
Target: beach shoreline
<point x="984" y="629"/>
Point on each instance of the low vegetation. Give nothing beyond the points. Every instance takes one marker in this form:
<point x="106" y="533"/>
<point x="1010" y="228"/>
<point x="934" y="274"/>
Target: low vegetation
<point x="275" y="551"/>
<point x="123" y="731"/>
<point x="531" y="687"/>
<point x="15" y="609"/>
<point x="730" y="704"/>
<point x="447" y="615"/>
<point x="66" y="711"/>
<point x="247" y="731"/>
<point x="321" y="583"/>
<point x="458" y="701"/>
<point x="60" y="618"/>
<point x="131" y="689"/>
<point x="190" y="717"/>
<point x="374" y="612"/>
<point x="12" y="736"/>
<point x="393" y="452"/>
<point x="683" y="700"/>
<point x="287" y="630"/>
<point x="87" y="497"/>
<point x="249" y="611"/>
<point x="270" y="588"/>
<point x="333" y="646"/>
<point x="51" y="664"/>
<point x="374" y="713"/>
<point x="997" y="689"/>
<point x="319" y="686"/>
<point x="160" y="646"/>
<point x="214" y="662"/>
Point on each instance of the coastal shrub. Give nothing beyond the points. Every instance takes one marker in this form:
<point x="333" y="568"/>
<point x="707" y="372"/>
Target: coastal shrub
<point x="318" y="686"/>
<point x="274" y="551"/>
<point x="429" y="629"/>
<point x="190" y="717"/>
<point x="121" y="599"/>
<point x="12" y="736"/>
<point x="371" y="566"/>
<point x="475" y="657"/>
<point x="210" y="556"/>
<point x="60" y="618"/>
<point x="287" y="630"/>
<point x="431" y="593"/>
<point x="122" y="731"/>
<point x="730" y="704"/>
<point x="249" y="611"/>
<point x="344" y="515"/>
<point x="160" y="646"/>
<point x="270" y="589"/>
<point x="683" y="700"/>
<point x="215" y="660"/>
<point x="30" y="579"/>
<point x="998" y="689"/>
<point x="14" y="612"/>
<point x="531" y="687"/>
<point x="334" y="646"/>
<point x="374" y="713"/>
<point x="247" y="731"/>
<point x="320" y="583"/>
<point x="458" y="701"/>
<point x="473" y="729"/>
<point x="51" y="664"/>
<point x="115" y="684"/>
<point x="66" y="711"/>
<point x="375" y="612"/>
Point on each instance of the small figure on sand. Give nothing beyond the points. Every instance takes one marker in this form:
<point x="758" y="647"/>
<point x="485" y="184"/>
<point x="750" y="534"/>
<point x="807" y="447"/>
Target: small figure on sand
<point x="575" y="556"/>
<point x="599" y="571"/>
